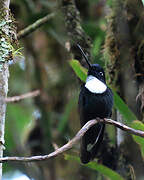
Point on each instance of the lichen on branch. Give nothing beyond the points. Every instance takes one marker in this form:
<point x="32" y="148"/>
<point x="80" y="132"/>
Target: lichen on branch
<point x="5" y="46"/>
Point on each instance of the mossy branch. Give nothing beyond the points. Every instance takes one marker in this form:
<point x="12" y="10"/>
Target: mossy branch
<point x="34" y="26"/>
<point x="4" y="72"/>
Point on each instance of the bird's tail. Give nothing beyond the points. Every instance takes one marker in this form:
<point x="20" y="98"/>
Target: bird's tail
<point x="91" y="142"/>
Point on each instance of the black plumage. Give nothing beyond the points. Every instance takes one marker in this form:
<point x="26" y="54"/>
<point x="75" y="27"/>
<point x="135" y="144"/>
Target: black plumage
<point x="93" y="105"/>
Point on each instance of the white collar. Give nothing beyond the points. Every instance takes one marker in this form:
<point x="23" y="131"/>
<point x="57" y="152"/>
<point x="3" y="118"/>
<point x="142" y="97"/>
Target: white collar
<point x="94" y="85"/>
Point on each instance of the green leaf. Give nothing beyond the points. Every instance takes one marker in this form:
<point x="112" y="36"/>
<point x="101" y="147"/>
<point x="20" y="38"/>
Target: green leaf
<point x="119" y="104"/>
<point x="107" y="172"/>
<point x="80" y="71"/>
<point x="139" y="126"/>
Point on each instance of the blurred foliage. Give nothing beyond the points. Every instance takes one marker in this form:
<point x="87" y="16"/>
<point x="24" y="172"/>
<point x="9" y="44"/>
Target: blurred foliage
<point x="140" y="126"/>
<point x="127" y="114"/>
<point x="19" y="118"/>
<point x="65" y="117"/>
<point x="110" y="174"/>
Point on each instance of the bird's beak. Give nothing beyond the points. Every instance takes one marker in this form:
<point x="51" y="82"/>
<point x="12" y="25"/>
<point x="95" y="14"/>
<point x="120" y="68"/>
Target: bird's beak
<point x="83" y="54"/>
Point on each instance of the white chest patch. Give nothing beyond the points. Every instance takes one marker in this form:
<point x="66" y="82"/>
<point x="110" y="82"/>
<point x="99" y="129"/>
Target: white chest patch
<point x="94" y="85"/>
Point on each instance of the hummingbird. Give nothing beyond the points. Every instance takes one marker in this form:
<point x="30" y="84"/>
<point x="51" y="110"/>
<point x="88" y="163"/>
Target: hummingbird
<point x="95" y="101"/>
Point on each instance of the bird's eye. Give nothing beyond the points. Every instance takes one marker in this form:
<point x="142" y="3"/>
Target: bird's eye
<point x="101" y="73"/>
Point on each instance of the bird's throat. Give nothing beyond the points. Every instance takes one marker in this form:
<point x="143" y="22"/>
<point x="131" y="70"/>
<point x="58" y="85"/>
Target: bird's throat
<point x="94" y="85"/>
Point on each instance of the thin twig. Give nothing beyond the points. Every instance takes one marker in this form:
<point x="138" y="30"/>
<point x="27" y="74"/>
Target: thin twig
<point x="34" y="26"/>
<point x="70" y="144"/>
<point x="123" y="127"/>
<point x="23" y="96"/>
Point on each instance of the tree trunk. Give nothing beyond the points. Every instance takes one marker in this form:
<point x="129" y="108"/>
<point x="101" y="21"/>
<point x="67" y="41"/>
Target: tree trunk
<point x="4" y="72"/>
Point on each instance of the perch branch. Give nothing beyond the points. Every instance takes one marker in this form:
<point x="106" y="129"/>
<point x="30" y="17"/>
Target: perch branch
<point x="123" y="127"/>
<point x="70" y="144"/>
<point x="34" y="26"/>
<point x="23" y="96"/>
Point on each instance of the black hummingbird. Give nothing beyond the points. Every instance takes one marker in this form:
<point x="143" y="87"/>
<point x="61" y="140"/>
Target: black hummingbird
<point x="95" y="100"/>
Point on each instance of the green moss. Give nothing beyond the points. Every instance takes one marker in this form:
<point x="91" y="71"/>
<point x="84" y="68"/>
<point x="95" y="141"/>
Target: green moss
<point x="7" y="31"/>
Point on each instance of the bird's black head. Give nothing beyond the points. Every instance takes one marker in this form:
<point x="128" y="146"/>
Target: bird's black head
<point x="97" y="71"/>
<point x="94" y="69"/>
